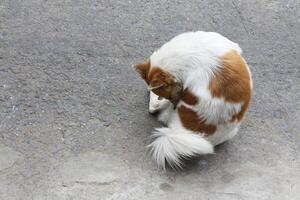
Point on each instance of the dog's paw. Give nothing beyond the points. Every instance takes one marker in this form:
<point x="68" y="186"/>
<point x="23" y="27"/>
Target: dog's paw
<point x="157" y="103"/>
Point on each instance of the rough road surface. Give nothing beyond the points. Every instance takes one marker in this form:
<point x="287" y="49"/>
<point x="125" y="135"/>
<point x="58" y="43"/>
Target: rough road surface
<point x="73" y="114"/>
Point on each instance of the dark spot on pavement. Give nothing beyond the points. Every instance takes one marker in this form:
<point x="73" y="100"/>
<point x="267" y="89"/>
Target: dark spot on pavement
<point x="166" y="187"/>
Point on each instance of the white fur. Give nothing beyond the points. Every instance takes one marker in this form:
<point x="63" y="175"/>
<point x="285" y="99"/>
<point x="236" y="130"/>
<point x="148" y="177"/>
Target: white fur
<point x="192" y="58"/>
<point x="172" y="144"/>
<point x="224" y="132"/>
<point x="166" y="114"/>
<point x="156" y="104"/>
<point x="193" y="53"/>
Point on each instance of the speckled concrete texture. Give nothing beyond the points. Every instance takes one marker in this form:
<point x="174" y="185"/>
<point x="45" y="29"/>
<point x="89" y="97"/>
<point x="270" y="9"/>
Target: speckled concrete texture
<point x="73" y="114"/>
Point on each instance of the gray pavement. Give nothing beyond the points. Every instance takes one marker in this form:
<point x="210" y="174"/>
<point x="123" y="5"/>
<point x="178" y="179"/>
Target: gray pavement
<point x="73" y="113"/>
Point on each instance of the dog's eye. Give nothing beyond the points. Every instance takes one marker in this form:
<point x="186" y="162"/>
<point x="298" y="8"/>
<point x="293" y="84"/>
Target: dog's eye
<point x="159" y="98"/>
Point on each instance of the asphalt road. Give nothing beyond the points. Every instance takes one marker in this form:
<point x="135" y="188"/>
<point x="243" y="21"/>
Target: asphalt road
<point x="73" y="114"/>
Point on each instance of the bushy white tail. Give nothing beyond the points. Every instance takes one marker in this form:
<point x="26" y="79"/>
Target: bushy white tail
<point x="171" y="145"/>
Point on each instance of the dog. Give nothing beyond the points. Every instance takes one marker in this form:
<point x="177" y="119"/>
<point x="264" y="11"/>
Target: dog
<point x="201" y="86"/>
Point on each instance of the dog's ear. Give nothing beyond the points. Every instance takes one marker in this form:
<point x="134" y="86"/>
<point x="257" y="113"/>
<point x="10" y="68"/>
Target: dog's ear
<point x="143" y="69"/>
<point x="164" y="84"/>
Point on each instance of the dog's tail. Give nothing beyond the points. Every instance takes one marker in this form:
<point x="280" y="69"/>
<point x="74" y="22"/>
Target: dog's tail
<point x="171" y="145"/>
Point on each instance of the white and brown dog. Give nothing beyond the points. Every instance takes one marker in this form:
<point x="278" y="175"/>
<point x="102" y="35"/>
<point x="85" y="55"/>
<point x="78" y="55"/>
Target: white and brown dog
<point x="206" y="87"/>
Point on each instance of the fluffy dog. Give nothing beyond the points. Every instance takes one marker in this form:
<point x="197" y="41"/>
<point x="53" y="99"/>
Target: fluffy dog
<point x="201" y="86"/>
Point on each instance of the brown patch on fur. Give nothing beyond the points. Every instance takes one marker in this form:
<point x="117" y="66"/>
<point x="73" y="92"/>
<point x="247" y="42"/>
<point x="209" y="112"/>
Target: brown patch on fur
<point x="232" y="82"/>
<point x="143" y="69"/>
<point x="239" y="116"/>
<point x="157" y="73"/>
<point x="191" y="121"/>
<point x="189" y="98"/>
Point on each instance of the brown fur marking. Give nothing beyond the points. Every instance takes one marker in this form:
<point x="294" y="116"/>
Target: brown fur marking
<point x="189" y="98"/>
<point x="143" y="69"/>
<point x="232" y="82"/>
<point x="191" y="121"/>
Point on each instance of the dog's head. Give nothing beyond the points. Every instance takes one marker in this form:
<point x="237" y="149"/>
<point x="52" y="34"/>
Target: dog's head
<point x="160" y="82"/>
